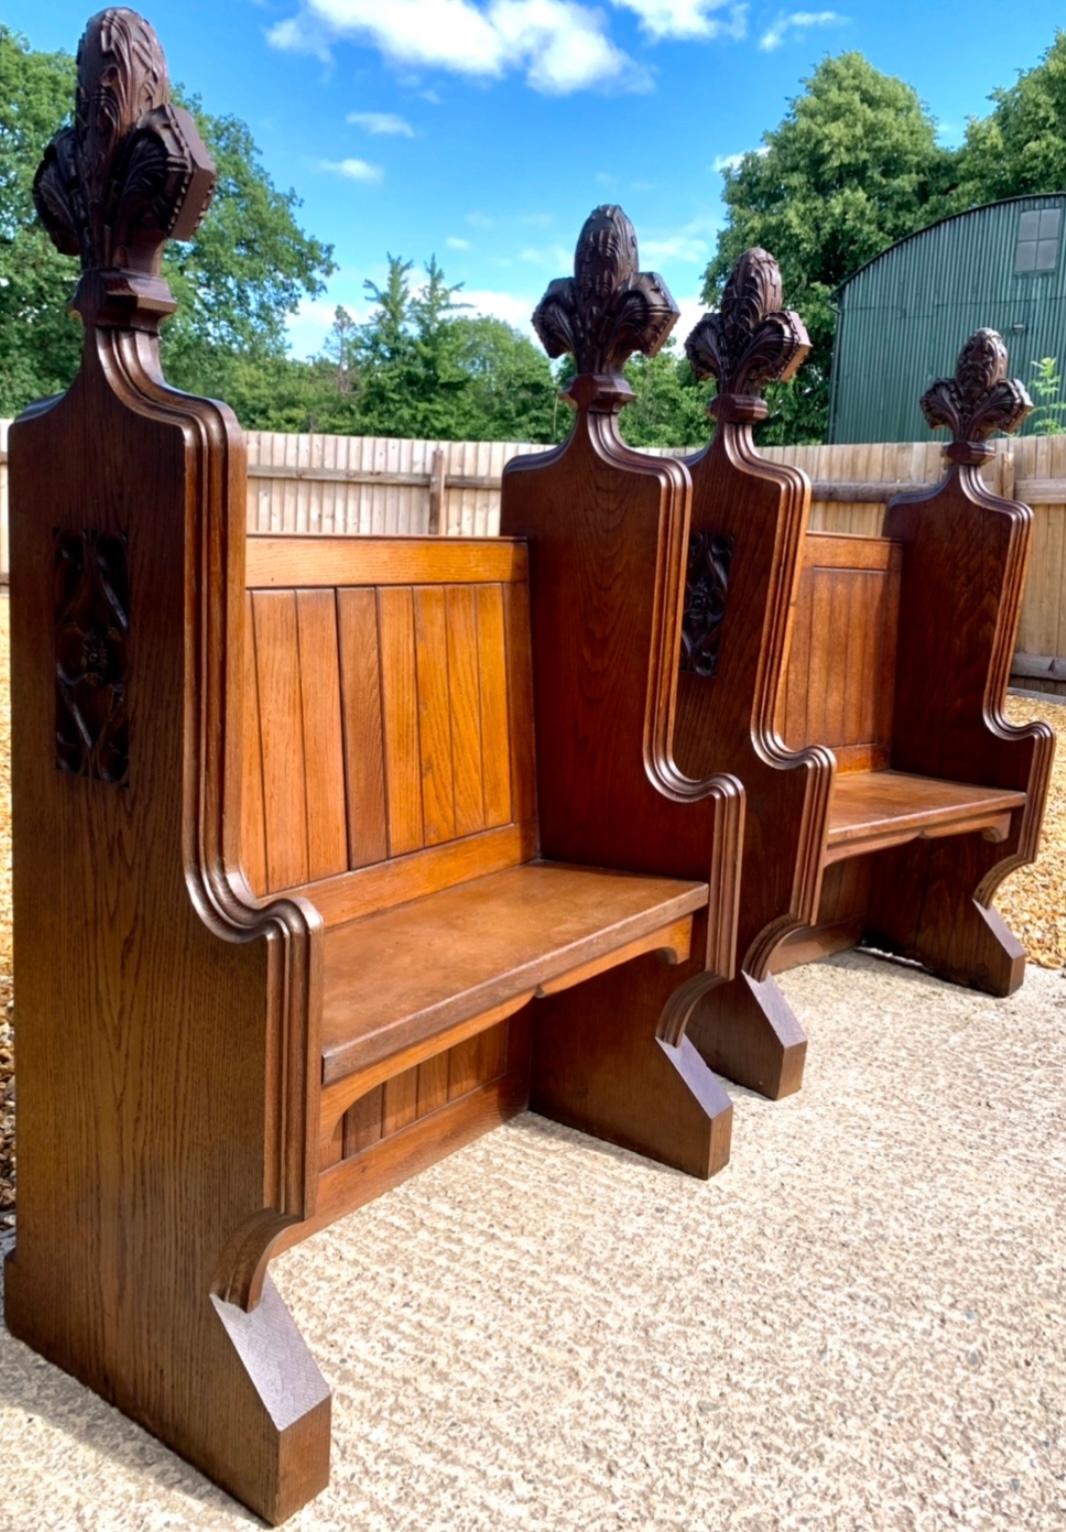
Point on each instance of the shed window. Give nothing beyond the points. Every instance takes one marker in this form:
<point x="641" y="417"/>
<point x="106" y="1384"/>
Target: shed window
<point x="1039" y="236"/>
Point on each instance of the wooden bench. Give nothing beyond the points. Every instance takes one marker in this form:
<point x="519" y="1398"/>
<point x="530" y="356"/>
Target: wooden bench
<point x="855" y="684"/>
<point x="329" y="855"/>
<point x="389" y="776"/>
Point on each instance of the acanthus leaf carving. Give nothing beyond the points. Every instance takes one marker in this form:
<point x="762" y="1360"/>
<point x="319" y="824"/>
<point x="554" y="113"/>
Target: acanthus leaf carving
<point x="979" y="398"/>
<point x="91" y="575"/>
<point x="710" y="558"/>
<point x="609" y="308"/>
<point x="132" y="171"/>
<point x="751" y="340"/>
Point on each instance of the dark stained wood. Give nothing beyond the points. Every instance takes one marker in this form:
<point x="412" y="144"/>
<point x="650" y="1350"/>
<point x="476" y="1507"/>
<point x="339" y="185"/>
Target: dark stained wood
<point x="884" y="662"/>
<point x="168" y="1063"/>
<point x="395" y="977"/>
<point x="305" y="935"/>
<point x="872" y="810"/>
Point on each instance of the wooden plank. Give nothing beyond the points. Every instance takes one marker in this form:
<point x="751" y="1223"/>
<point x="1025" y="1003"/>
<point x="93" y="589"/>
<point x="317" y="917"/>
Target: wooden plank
<point x="870" y="810"/>
<point x="337" y="561"/>
<point x="353" y="894"/>
<point x="253" y="822"/>
<point x="463" y="684"/>
<point x="838" y="550"/>
<point x="364" y="745"/>
<point x="432" y="1084"/>
<point x="400" y="1102"/>
<point x="520" y="701"/>
<point x="411" y="972"/>
<point x="323" y="745"/>
<point x="399" y="697"/>
<point x="363" y="1122"/>
<point x="434" y="714"/>
<point x="495" y="746"/>
<point x="281" y="733"/>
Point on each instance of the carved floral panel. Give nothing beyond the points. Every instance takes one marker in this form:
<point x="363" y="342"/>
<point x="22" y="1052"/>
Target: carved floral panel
<point x="706" y="588"/>
<point x="91" y="586"/>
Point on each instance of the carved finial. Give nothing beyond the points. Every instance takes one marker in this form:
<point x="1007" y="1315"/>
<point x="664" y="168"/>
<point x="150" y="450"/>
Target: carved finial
<point x="978" y="400"/>
<point x="751" y="340"/>
<point x="608" y="309"/>
<point x="133" y="171"/>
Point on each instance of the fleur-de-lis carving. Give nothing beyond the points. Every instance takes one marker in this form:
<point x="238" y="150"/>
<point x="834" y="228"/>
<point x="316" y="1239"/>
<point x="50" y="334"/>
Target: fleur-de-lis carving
<point x="751" y="340"/>
<point x="980" y="398"/>
<point x="132" y="172"/>
<point x="609" y="308"/>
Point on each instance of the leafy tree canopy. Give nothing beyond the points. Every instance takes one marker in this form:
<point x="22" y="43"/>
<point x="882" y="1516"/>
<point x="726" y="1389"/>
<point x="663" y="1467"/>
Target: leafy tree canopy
<point x="1021" y="146"/>
<point x="236" y="282"/>
<point x="852" y="167"/>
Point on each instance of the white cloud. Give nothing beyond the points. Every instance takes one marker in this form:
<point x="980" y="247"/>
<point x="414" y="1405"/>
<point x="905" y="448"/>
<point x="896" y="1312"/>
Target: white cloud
<point x="561" y="45"/>
<point x="689" y="18"/>
<point x="554" y="256"/>
<point x="455" y="243"/>
<point x="353" y="170"/>
<point x="480" y="220"/>
<point x="689" y="244"/>
<point x="311" y="323"/>
<point x="381" y="124"/>
<point x="512" y="308"/>
<point x="734" y="161"/>
<point x="797" y="21"/>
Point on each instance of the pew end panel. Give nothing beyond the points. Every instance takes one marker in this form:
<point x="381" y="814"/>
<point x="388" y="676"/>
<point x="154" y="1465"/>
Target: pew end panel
<point x="749" y="518"/>
<point x="905" y="679"/>
<point x="607" y="530"/>
<point x="167" y="1025"/>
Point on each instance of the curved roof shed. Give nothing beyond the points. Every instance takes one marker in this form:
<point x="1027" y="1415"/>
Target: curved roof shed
<point x="903" y="317"/>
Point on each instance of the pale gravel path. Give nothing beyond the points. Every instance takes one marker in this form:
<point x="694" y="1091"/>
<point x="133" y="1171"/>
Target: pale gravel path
<point x="860" y="1325"/>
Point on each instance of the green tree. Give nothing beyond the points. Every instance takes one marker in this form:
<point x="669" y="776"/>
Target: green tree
<point x="853" y="166"/>
<point x="510" y="392"/>
<point x="236" y="282"/>
<point x="670" y="409"/>
<point x="1021" y="145"/>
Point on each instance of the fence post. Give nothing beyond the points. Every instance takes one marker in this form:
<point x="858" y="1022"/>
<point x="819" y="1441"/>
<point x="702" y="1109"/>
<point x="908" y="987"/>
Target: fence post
<point x="437" y="485"/>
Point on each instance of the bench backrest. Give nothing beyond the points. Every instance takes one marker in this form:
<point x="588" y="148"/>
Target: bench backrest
<point x="842" y="669"/>
<point x="388" y="733"/>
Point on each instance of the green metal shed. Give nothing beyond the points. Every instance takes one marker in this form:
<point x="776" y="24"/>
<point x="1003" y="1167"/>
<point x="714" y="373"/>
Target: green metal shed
<point x="903" y="317"/>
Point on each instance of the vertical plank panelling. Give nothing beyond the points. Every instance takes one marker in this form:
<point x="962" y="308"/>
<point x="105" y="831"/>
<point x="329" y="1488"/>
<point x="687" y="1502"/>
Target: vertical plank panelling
<point x="320" y="700"/>
<point x="400" y="1102"/>
<point x="434" y="714"/>
<point x="432" y="1084"/>
<point x="253" y="826"/>
<point x="399" y="697"/>
<point x="281" y="731"/>
<point x="492" y="670"/>
<point x="476" y="1062"/>
<point x="463" y="669"/>
<point x="364" y="749"/>
<point x="363" y="1122"/>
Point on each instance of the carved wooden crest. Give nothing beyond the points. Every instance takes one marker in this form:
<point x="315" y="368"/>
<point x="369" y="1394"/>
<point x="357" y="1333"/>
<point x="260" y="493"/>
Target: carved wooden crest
<point x="133" y="171"/>
<point x="980" y="398"/>
<point x="751" y="340"/>
<point x="609" y="308"/>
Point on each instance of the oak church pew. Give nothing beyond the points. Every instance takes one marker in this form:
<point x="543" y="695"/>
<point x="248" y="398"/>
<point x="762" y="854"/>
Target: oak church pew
<point x="329" y="855"/>
<point x="856" y="686"/>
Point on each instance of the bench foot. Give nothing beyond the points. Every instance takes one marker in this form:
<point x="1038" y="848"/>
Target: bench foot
<point x="747" y="1031"/>
<point x="598" y="1065"/>
<point x="236" y="1393"/>
<point x="939" y="923"/>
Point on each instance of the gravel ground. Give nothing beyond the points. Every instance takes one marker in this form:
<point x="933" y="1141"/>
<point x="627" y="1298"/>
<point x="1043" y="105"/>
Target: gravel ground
<point x="1033" y="901"/>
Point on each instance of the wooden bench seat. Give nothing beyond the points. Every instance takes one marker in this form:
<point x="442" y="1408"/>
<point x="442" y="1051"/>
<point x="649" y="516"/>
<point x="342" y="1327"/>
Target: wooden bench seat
<point x="873" y="810"/>
<point x="410" y="974"/>
<point x="855" y="686"/>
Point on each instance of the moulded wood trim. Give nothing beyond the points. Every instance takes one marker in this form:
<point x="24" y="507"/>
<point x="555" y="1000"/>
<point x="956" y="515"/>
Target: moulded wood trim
<point x="302" y="562"/>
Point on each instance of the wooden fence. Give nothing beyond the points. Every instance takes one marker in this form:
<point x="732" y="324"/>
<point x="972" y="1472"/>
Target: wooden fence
<point x="351" y="485"/>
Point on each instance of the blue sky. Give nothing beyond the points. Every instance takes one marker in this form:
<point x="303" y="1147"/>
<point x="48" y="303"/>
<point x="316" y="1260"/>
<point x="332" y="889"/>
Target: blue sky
<point x="485" y="130"/>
